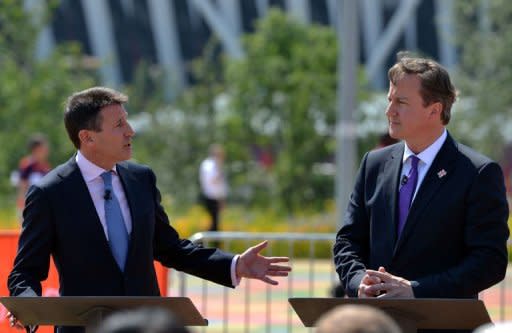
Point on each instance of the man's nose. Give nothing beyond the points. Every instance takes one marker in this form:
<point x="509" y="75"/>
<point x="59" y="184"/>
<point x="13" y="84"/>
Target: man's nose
<point x="390" y="110"/>
<point x="131" y="131"/>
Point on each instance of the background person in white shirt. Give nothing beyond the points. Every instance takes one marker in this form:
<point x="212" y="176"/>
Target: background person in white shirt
<point x="214" y="188"/>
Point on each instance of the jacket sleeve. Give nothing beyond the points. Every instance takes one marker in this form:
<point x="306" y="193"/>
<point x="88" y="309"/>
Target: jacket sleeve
<point x="351" y="249"/>
<point x="207" y="263"/>
<point x="485" y="234"/>
<point x="32" y="260"/>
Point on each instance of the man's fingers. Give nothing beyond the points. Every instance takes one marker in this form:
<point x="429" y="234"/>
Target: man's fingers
<point x="379" y="288"/>
<point x="279" y="268"/>
<point x="382" y="276"/>
<point x="277" y="273"/>
<point x="374" y="280"/>
<point x="275" y="260"/>
<point x="376" y="288"/>
<point x="393" y="293"/>
<point x="257" y="248"/>
<point x="268" y="280"/>
<point x="387" y="295"/>
<point x="363" y="292"/>
<point x="369" y="280"/>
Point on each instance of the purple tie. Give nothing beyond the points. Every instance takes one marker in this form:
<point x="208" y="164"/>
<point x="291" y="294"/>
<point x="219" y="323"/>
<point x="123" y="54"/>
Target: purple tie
<point x="406" y="193"/>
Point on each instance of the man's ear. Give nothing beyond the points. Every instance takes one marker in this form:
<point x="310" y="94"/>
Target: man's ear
<point x="436" y="109"/>
<point x="85" y="137"/>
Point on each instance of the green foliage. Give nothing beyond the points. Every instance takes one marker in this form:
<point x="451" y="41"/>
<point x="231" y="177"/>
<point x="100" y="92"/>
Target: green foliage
<point x="238" y="218"/>
<point x="32" y="92"/>
<point x="280" y="97"/>
<point x="485" y="72"/>
<point x="283" y="95"/>
<point x="174" y="138"/>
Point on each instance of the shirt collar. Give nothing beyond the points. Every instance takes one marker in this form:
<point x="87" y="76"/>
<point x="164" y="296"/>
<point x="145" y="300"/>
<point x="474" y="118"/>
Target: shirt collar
<point x="89" y="170"/>
<point x="427" y="156"/>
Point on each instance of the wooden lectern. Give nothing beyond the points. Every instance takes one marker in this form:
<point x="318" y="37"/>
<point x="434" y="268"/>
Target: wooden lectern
<point x="90" y="310"/>
<point x="410" y="314"/>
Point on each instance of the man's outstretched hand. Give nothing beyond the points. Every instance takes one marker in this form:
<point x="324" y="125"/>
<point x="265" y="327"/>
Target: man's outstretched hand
<point x="251" y="264"/>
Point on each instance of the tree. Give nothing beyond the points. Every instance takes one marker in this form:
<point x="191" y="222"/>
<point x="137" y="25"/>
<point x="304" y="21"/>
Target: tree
<point x="485" y="32"/>
<point x="32" y="92"/>
<point x="278" y="100"/>
<point x="174" y="138"/>
<point x="283" y="99"/>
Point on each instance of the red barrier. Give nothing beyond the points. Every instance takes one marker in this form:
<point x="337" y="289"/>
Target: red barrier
<point x="8" y="248"/>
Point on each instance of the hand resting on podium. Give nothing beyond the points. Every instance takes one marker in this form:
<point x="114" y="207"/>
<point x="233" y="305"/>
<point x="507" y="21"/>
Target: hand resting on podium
<point x="382" y="284"/>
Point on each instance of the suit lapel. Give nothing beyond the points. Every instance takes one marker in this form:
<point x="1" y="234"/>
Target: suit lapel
<point x="390" y="176"/>
<point x="84" y="213"/>
<point x="441" y="169"/>
<point x="133" y="196"/>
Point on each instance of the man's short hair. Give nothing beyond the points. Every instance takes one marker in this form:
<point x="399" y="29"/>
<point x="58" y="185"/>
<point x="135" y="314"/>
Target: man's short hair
<point x="436" y="85"/>
<point x="356" y="319"/>
<point x="36" y="140"/>
<point x="83" y="108"/>
<point x="142" y="320"/>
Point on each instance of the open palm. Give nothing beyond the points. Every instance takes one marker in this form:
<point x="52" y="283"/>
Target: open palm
<point x="251" y="264"/>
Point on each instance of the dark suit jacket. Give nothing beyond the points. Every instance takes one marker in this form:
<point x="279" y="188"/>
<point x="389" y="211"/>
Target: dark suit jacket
<point x="454" y="241"/>
<point x="60" y="220"/>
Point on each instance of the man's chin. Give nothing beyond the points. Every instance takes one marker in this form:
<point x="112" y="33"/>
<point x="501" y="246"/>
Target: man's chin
<point x="394" y="133"/>
<point x="125" y="157"/>
<point x="127" y="153"/>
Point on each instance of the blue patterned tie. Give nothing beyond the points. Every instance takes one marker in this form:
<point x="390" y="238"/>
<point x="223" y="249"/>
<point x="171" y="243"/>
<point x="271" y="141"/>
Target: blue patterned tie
<point x="406" y="194"/>
<point x="116" y="229"/>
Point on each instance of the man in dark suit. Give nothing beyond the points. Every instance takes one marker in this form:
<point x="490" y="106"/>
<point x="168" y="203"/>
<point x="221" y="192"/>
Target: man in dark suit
<point x="428" y="216"/>
<point x="101" y="219"/>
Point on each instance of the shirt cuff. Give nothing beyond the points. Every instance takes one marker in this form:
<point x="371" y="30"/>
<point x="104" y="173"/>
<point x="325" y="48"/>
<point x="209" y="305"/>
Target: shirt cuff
<point x="29" y="292"/>
<point x="235" y="280"/>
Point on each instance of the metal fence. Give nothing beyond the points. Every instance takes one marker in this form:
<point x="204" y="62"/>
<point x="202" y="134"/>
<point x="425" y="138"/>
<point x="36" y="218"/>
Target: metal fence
<point x="256" y="307"/>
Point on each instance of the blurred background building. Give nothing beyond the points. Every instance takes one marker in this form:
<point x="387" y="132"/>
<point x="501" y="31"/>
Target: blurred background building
<point x="172" y="32"/>
<point x="121" y="34"/>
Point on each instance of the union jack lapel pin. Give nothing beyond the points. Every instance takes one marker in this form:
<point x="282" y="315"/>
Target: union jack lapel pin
<point x="441" y="173"/>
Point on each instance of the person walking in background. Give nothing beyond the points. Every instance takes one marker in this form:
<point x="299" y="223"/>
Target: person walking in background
<point x="428" y="216"/>
<point x="32" y="167"/>
<point x="100" y="217"/>
<point x="212" y="181"/>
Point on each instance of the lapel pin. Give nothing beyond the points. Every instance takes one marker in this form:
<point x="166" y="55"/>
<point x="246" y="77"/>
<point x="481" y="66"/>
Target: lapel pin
<point x="441" y="173"/>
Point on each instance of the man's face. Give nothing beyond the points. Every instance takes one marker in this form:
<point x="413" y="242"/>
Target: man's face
<point x="113" y="143"/>
<point x="408" y="118"/>
<point x="219" y="155"/>
<point x="41" y="152"/>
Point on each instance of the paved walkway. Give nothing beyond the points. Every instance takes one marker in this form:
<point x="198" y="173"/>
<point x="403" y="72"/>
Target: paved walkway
<point x="256" y="307"/>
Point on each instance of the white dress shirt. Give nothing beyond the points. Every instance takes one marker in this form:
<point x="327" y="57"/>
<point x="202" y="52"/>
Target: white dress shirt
<point x="92" y="176"/>
<point x="211" y="178"/>
<point x="426" y="157"/>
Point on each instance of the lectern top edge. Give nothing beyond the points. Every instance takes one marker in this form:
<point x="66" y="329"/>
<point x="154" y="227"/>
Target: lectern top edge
<point x="77" y="310"/>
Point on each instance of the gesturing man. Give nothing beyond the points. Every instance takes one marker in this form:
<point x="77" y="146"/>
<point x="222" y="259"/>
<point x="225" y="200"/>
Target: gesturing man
<point x="100" y="218"/>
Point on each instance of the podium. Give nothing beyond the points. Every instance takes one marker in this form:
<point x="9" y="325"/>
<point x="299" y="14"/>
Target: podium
<point x="87" y="311"/>
<point x="409" y="314"/>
